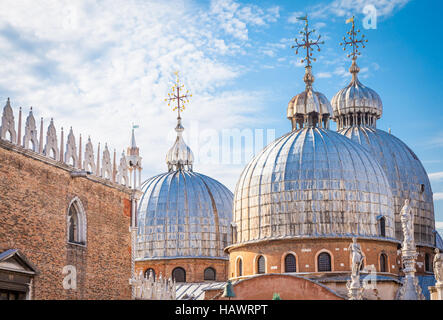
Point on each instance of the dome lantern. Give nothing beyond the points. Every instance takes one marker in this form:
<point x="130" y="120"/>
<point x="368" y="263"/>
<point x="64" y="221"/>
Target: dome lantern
<point x="308" y="108"/>
<point x="180" y="156"/>
<point x="356" y="104"/>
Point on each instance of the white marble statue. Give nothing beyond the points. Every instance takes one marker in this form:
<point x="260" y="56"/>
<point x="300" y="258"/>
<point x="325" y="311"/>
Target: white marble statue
<point x="356" y="257"/>
<point x="407" y="223"/>
<point x="438" y="267"/>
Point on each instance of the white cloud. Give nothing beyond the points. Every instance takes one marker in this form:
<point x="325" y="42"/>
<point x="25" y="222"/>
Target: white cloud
<point x="99" y="66"/>
<point x="439" y="225"/>
<point x="324" y="75"/>
<point x="438" y="196"/>
<point x="436" y="176"/>
<point x="346" y="8"/>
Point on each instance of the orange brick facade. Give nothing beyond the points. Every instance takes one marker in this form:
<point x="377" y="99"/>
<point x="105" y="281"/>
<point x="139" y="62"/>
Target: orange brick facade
<point x="289" y="287"/>
<point x="194" y="267"/>
<point x="36" y="192"/>
<point x="306" y="252"/>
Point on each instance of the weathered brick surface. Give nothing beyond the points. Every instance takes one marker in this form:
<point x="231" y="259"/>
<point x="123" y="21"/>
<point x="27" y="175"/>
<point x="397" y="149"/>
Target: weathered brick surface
<point x="306" y="251"/>
<point x="194" y="267"/>
<point x="34" y="199"/>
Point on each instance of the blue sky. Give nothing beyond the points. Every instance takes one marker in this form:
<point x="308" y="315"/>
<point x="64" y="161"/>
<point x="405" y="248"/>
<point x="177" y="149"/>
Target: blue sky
<point x="99" y="66"/>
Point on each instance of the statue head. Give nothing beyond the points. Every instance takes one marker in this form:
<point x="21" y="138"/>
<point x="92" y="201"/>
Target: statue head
<point x="407" y="202"/>
<point x="437" y="251"/>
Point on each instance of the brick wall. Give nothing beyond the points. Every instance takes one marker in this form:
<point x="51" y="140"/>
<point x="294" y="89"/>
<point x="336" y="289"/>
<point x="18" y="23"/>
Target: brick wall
<point x="35" y="193"/>
<point x="194" y="267"/>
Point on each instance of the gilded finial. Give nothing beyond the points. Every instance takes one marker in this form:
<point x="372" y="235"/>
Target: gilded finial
<point x="307" y="43"/>
<point x="177" y="95"/>
<point x="352" y="41"/>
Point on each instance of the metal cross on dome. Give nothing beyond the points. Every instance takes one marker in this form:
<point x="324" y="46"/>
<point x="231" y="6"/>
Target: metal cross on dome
<point x="353" y="42"/>
<point x="176" y="94"/>
<point x="306" y="43"/>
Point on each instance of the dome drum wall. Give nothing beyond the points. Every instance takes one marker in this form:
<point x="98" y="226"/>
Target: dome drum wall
<point x="306" y="252"/>
<point x="309" y="183"/>
<point x="183" y="214"/>
<point x="406" y="175"/>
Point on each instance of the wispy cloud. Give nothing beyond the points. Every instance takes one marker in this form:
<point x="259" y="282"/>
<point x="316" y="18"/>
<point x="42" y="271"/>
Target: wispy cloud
<point x="99" y="66"/>
<point x="436" y="176"/>
<point x="346" y="8"/>
<point x="438" y="196"/>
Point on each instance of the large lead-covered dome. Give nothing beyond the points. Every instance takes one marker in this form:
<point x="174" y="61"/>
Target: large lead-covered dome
<point x="312" y="182"/>
<point x="183" y="214"/>
<point x="406" y="175"/>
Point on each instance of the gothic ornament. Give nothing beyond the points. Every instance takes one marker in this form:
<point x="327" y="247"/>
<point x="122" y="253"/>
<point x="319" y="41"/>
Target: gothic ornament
<point x="89" y="162"/>
<point x="71" y="155"/>
<point x="106" y="170"/>
<point x="8" y="125"/>
<point x="51" y="147"/>
<point x="30" y="133"/>
<point x="123" y="172"/>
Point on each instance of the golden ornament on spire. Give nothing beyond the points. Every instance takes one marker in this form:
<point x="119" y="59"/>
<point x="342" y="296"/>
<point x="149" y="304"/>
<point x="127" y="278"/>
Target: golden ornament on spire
<point x="352" y="41"/>
<point x="176" y="95"/>
<point x="306" y="43"/>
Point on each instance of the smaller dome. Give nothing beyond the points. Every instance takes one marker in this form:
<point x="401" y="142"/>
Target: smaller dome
<point x="309" y="107"/>
<point x="180" y="155"/>
<point x="356" y="98"/>
<point x="307" y="102"/>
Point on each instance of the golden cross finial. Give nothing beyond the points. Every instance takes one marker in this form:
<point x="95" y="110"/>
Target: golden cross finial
<point x="306" y="43"/>
<point x="176" y="94"/>
<point x="353" y="42"/>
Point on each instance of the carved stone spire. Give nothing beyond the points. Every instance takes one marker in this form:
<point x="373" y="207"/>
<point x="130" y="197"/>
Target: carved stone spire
<point x="106" y="164"/>
<point x="89" y="162"/>
<point x="134" y="161"/>
<point x="8" y="125"/>
<point x="40" y="147"/>
<point x="30" y="133"/>
<point x="51" y="149"/>
<point x="123" y="171"/>
<point x="71" y="150"/>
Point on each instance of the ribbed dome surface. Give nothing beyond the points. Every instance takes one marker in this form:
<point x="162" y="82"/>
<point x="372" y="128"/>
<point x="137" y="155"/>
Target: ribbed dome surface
<point x="183" y="214"/>
<point x="357" y="98"/>
<point x="308" y="102"/>
<point x="406" y="176"/>
<point x="312" y="182"/>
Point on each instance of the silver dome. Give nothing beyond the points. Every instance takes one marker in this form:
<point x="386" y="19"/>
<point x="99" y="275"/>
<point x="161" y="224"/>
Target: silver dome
<point x="406" y="176"/>
<point x="312" y="182"/>
<point x="356" y="100"/>
<point x="183" y="214"/>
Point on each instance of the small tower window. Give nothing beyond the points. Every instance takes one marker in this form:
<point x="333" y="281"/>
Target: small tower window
<point x="209" y="274"/>
<point x="428" y="264"/>
<point x="383" y="263"/>
<point x="324" y="262"/>
<point x="261" y="265"/>
<point x="239" y="267"/>
<point x="179" y="274"/>
<point x="290" y="263"/>
<point x="382" y="227"/>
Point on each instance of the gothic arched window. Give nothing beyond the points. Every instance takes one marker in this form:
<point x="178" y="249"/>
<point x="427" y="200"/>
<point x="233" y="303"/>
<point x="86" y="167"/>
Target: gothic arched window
<point x="261" y="265"/>
<point x="383" y="263"/>
<point x="239" y="267"/>
<point x="150" y="273"/>
<point x="290" y="263"/>
<point x="324" y="262"/>
<point x="179" y="274"/>
<point x="76" y="222"/>
<point x="209" y="274"/>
